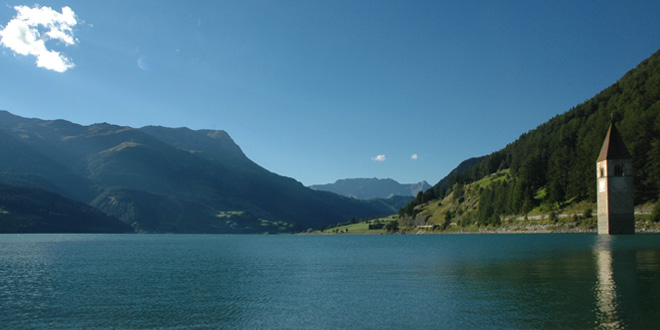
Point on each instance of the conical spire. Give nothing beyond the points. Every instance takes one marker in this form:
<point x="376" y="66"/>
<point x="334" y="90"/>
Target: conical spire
<point x="613" y="146"/>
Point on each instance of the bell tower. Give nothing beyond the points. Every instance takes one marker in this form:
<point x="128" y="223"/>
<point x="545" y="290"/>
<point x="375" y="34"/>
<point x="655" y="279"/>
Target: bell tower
<point x="614" y="172"/>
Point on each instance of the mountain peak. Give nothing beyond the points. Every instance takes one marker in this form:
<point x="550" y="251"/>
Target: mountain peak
<point x="212" y="144"/>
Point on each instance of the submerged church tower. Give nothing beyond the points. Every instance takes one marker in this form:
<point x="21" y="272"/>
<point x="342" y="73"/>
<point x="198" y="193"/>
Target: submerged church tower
<point x="616" y="209"/>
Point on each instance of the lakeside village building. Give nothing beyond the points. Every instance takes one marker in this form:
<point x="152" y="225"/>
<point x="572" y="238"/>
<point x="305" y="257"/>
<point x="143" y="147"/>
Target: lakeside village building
<point x="616" y="209"/>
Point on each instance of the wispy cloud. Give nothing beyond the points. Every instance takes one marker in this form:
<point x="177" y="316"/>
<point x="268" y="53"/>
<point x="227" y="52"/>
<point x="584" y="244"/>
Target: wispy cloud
<point x="379" y="158"/>
<point x="414" y="157"/>
<point x="28" y="32"/>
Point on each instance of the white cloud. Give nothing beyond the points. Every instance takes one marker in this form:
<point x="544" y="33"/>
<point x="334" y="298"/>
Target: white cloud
<point x="28" y="32"/>
<point x="379" y="158"/>
<point x="413" y="157"/>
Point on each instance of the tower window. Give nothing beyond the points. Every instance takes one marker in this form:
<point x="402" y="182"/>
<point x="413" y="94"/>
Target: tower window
<point x="618" y="170"/>
<point x="602" y="172"/>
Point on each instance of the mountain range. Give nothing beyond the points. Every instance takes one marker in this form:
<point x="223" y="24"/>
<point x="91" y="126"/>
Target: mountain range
<point x="54" y="173"/>
<point x="159" y="179"/>
<point x="367" y="188"/>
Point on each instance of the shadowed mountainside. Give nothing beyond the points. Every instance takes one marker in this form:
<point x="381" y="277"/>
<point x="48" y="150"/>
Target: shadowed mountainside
<point x="161" y="179"/>
<point x="34" y="210"/>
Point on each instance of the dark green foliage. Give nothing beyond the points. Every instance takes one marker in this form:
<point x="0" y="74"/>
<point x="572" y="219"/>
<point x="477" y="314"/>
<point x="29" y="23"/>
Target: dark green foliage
<point x="458" y="191"/>
<point x="655" y="214"/>
<point x="392" y="227"/>
<point x="420" y="198"/>
<point x="494" y="202"/>
<point x="560" y="154"/>
<point x="376" y="226"/>
<point x="447" y="218"/>
<point x="429" y="195"/>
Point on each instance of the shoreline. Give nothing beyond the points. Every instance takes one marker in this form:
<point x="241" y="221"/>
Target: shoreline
<point x="512" y="229"/>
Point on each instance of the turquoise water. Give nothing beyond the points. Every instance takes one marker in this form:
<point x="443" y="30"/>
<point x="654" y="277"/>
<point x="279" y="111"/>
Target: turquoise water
<point x="356" y="282"/>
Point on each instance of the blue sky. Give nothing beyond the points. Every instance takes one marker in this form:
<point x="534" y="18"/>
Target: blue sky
<point x="325" y="90"/>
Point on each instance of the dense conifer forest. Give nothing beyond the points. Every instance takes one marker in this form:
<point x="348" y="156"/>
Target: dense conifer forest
<point x="555" y="163"/>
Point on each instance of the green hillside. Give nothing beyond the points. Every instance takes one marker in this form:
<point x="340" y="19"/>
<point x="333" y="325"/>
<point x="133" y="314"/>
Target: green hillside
<point x="554" y="165"/>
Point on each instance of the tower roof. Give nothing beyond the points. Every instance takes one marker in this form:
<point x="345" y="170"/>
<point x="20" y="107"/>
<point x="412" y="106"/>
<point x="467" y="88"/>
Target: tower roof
<point x="613" y="146"/>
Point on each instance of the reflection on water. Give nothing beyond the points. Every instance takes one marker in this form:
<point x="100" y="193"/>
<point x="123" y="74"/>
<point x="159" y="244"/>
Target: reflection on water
<point x="330" y="282"/>
<point x="627" y="290"/>
<point x="606" y="295"/>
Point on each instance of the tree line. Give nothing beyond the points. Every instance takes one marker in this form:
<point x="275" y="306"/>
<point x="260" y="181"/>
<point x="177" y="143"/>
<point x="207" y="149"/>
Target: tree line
<point x="559" y="156"/>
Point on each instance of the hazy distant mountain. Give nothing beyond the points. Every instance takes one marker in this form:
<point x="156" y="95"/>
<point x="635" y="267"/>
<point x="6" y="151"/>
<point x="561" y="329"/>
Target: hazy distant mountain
<point x="159" y="179"/>
<point x="394" y="203"/>
<point x="372" y="188"/>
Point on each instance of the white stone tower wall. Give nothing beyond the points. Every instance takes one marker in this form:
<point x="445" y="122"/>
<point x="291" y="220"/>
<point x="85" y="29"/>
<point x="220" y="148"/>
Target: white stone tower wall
<point x="615" y="197"/>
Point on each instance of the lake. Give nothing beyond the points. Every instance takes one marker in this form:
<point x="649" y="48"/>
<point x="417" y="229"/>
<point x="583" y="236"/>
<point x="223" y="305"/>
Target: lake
<point x="575" y="281"/>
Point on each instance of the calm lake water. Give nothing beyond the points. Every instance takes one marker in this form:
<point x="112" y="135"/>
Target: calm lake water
<point x="358" y="282"/>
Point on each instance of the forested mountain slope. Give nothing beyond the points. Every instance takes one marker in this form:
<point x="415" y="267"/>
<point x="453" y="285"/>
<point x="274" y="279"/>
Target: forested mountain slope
<point x="555" y="162"/>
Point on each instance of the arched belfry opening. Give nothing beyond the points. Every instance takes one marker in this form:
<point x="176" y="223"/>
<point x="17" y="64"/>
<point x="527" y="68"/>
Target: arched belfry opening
<point x="616" y="209"/>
